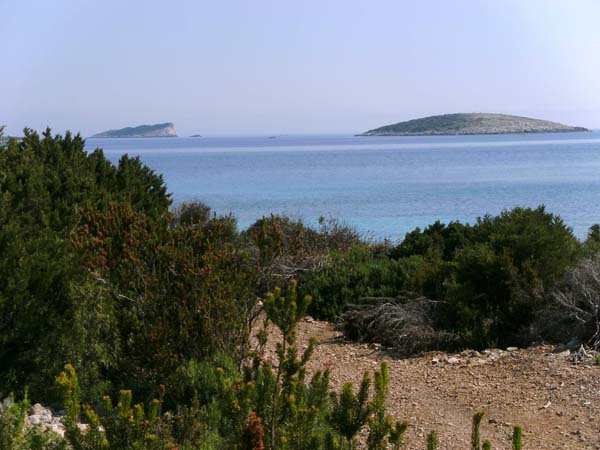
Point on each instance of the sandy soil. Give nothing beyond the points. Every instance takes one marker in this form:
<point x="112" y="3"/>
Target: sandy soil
<point x="555" y="399"/>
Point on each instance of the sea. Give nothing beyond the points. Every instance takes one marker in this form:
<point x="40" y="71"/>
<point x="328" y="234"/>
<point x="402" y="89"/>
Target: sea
<point x="382" y="186"/>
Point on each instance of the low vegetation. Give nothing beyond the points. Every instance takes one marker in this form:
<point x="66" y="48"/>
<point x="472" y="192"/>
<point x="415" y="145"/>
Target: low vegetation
<point x="106" y="285"/>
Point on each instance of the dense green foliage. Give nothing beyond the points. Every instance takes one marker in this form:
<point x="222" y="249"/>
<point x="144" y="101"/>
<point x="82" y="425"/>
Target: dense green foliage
<point x="144" y="302"/>
<point x="359" y="272"/>
<point x="491" y="277"/>
<point x="44" y="292"/>
<point x="96" y="272"/>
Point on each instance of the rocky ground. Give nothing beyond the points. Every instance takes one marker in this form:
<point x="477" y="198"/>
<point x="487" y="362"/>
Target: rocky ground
<point x="554" y="396"/>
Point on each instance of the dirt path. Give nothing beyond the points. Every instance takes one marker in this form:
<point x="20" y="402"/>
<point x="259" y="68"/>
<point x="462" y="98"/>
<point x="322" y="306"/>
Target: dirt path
<point x="556" y="401"/>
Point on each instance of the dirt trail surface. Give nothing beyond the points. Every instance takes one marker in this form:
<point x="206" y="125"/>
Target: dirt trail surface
<point x="553" y="398"/>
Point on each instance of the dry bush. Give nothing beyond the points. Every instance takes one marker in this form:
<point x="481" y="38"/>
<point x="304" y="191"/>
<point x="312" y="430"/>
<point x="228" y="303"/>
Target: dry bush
<point x="284" y="248"/>
<point x="405" y="323"/>
<point x="574" y="312"/>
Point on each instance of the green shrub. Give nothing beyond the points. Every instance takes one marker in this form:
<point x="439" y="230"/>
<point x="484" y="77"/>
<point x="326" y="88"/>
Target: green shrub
<point x="498" y="284"/>
<point x="12" y="419"/>
<point x="45" y="180"/>
<point x="179" y="293"/>
<point x="493" y="275"/>
<point x="591" y="246"/>
<point x="191" y="214"/>
<point x="362" y="271"/>
<point x="126" y="427"/>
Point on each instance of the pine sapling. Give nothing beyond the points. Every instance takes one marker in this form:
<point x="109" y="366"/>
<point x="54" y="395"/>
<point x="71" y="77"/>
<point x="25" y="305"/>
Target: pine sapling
<point x="350" y="412"/>
<point x="69" y="383"/>
<point x="433" y="443"/>
<point x="285" y="311"/>
<point x="475" y="434"/>
<point x="397" y="434"/>
<point x="380" y="424"/>
<point x="517" y="439"/>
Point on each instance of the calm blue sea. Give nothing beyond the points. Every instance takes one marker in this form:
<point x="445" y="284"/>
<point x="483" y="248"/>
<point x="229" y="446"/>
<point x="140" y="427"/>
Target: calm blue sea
<point x="384" y="186"/>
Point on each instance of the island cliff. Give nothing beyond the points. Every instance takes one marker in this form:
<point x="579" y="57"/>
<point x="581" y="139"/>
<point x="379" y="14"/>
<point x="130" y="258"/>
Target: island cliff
<point x="158" y="130"/>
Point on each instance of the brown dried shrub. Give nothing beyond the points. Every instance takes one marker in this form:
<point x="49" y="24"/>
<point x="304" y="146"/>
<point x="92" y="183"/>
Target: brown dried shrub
<point x="405" y="323"/>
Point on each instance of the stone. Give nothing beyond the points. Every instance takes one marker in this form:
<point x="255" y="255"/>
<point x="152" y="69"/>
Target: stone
<point x="39" y="415"/>
<point x="38" y="409"/>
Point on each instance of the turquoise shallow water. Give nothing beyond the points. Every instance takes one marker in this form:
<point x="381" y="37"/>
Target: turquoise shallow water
<point x="384" y="186"/>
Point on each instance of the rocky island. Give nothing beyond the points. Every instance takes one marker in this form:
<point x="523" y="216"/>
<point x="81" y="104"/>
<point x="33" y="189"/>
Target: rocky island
<point x="472" y="123"/>
<point x="158" y="130"/>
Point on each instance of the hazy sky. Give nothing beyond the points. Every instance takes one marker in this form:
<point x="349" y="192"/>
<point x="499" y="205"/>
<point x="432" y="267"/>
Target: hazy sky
<point x="302" y="66"/>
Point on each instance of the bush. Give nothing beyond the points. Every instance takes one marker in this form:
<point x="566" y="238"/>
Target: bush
<point x="97" y="273"/>
<point x="191" y="213"/>
<point x="591" y="246"/>
<point x="362" y="271"/>
<point x="285" y="248"/>
<point x="495" y="274"/>
<point x="573" y="312"/>
<point x="405" y="323"/>
<point x="179" y="293"/>
<point x="488" y="280"/>
<point x="45" y="181"/>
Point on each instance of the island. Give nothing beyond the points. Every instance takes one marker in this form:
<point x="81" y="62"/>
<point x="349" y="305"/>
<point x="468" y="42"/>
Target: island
<point x="141" y="131"/>
<point x="470" y="123"/>
<point x="196" y="135"/>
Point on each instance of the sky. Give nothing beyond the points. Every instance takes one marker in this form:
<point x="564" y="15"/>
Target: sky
<point x="279" y="66"/>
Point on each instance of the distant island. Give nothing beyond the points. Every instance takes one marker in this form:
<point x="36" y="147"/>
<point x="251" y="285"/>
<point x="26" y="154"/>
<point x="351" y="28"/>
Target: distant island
<point x="472" y="123"/>
<point x="142" y="131"/>
<point x="196" y="135"/>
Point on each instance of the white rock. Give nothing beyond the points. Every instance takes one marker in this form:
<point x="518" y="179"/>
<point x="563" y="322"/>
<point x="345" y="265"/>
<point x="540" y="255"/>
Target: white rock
<point x="38" y="409"/>
<point x="55" y="426"/>
<point x="39" y="415"/>
<point x="453" y="360"/>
